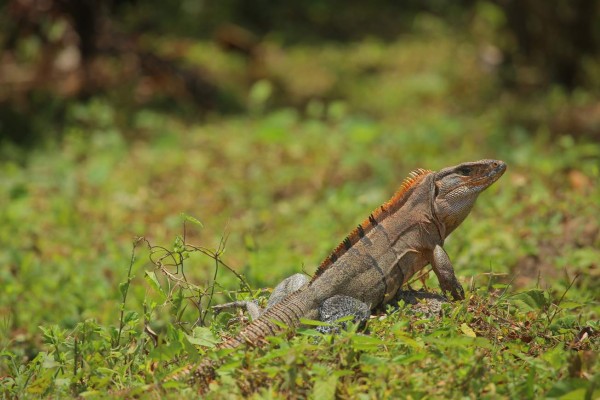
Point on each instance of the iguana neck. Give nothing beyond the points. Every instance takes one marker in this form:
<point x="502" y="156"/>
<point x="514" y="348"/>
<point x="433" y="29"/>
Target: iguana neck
<point x="456" y="189"/>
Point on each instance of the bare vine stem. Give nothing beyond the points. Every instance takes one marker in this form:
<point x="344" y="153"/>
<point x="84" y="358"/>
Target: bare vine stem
<point x="125" y="289"/>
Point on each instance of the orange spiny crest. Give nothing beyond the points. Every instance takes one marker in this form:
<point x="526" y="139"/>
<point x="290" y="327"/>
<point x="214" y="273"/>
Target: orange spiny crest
<point x="373" y="220"/>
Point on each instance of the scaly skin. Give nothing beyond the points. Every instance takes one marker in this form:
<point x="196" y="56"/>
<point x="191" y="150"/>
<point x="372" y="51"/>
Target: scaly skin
<point x="397" y="240"/>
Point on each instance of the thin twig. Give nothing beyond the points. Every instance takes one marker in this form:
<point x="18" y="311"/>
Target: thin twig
<point x="122" y="317"/>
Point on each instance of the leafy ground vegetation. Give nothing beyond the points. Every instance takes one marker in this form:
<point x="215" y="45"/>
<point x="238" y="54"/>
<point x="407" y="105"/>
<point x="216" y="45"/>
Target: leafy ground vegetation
<point x="114" y="249"/>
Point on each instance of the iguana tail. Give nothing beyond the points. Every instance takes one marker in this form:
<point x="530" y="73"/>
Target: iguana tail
<point x="286" y="313"/>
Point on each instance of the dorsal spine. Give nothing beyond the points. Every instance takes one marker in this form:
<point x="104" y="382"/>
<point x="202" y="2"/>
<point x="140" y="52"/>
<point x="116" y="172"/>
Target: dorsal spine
<point x="378" y="215"/>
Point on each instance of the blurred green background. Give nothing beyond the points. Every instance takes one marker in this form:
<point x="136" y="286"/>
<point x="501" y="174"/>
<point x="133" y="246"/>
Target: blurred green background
<point x="281" y="125"/>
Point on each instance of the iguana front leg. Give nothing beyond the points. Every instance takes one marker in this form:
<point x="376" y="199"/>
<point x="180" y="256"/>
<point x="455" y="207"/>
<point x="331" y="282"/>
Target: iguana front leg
<point x="442" y="266"/>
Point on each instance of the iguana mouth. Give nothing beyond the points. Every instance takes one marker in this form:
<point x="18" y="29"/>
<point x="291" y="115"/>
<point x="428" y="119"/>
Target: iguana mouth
<point x="496" y="172"/>
<point x="487" y="179"/>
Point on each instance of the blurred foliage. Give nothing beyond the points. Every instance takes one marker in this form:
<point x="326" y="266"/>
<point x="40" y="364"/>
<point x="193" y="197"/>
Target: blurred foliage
<point x="57" y="53"/>
<point x="281" y="141"/>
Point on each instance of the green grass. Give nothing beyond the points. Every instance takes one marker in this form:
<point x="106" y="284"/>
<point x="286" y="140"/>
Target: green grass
<point x="284" y="187"/>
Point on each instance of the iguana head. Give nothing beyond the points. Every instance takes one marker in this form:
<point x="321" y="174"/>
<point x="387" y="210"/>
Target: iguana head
<point x="457" y="188"/>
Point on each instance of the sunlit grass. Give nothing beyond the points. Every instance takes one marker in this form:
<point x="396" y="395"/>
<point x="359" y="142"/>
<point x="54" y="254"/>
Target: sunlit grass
<point x="283" y="187"/>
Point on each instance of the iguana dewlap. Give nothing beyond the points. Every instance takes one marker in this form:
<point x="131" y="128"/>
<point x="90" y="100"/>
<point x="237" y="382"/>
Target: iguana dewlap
<point x="378" y="257"/>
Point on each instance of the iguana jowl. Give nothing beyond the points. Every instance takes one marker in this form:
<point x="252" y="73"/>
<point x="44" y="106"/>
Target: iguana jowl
<point x="382" y="253"/>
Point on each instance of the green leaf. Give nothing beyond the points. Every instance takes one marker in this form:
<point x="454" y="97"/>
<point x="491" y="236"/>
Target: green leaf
<point x="312" y="322"/>
<point x="191" y="219"/>
<point x="325" y="388"/>
<point x="173" y="385"/>
<point x="280" y="324"/>
<point x="178" y="246"/>
<point x="177" y="300"/>
<point x="556" y="357"/>
<point x="569" y="305"/>
<point x="569" y="388"/>
<point x="410" y="342"/>
<point x="308" y="332"/>
<point x="345" y="319"/>
<point x="531" y="300"/>
<point x="459" y="341"/>
<point x="50" y="363"/>
<point x="400" y="336"/>
<point x="202" y="336"/>
<point x="407" y="359"/>
<point x="62" y="382"/>
<point x="165" y="353"/>
<point x="131" y="316"/>
<point x="190" y="350"/>
<point x="90" y="393"/>
<point x="151" y="278"/>
<point x="106" y="371"/>
<point x="367" y="359"/>
<point x="229" y="366"/>
<point x="466" y="329"/>
<point x="362" y="342"/>
<point x="123" y="287"/>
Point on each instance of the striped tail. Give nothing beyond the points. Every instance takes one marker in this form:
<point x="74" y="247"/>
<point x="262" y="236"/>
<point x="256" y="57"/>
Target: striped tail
<point x="287" y="312"/>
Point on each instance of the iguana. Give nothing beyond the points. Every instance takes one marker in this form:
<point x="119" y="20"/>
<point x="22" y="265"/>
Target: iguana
<point x="368" y="268"/>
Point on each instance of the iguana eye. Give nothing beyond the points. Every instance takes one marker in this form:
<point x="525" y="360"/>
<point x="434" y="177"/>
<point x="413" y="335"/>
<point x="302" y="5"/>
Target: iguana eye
<point x="465" y="171"/>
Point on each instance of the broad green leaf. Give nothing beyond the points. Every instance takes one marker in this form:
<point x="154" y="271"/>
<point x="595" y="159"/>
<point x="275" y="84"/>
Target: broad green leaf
<point x="191" y="219"/>
<point x="275" y="353"/>
<point x="62" y="382"/>
<point x="363" y="342"/>
<point x="325" y="388"/>
<point x="576" y="394"/>
<point x="531" y="300"/>
<point x="408" y="341"/>
<point x="50" y="363"/>
<point x="556" y="357"/>
<point x="106" y="371"/>
<point x="202" y="336"/>
<point x="165" y="352"/>
<point x="123" y="287"/>
<point x="466" y="329"/>
<point x="130" y="316"/>
<point x="367" y="359"/>
<point x="569" y="305"/>
<point x="569" y="388"/>
<point x="191" y="351"/>
<point x="229" y="367"/>
<point x="153" y="281"/>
